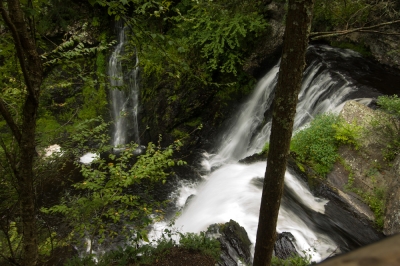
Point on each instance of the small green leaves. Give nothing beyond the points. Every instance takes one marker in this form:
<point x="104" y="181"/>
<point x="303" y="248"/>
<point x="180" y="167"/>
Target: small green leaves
<point x="317" y="145"/>
<point x="106" y="197"/>
<point x="221" y="34"/>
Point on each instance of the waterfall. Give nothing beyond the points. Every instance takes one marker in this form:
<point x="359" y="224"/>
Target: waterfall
<point x="124" y="95"/>
<point x="233" y="191"/>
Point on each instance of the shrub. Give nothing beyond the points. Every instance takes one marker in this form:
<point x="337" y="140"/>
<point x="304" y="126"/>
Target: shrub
<point x="292" y="261"/>
<point x="390" y="104"/>
<point x="148" y="253"/>
<point x="388" y="127"/>
<point x="316" y="145"/>
<point x="376" y="200"/>
<point x="200" y="242"/>
<point x="347" y="133"/>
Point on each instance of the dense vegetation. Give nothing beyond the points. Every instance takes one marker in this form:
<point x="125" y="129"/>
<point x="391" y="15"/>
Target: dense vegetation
<point x="193" y="57"/>
<point x="317" y="145"/>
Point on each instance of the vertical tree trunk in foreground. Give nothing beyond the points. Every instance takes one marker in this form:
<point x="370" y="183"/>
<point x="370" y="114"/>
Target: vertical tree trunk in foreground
<point x="31" y="67"/>
<point x="297" y="30"/>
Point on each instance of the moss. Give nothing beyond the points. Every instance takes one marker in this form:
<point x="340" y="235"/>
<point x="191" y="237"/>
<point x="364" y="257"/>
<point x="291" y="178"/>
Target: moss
<point x="178" y="134"/>
<point x="360" y="48"/>
<point x="94" y="101"/>
<point x="232" y="227"/>
<point x="101" y="64"/>
<point x="195" y="122"/>
<point x="300" y="166"/>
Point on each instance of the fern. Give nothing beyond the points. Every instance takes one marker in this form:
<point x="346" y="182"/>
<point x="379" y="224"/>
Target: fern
<point x="221" y="34"/>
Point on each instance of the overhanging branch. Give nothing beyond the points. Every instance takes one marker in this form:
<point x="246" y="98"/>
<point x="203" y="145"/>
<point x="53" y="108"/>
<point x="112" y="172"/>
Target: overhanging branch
<point x="370" y="29"/>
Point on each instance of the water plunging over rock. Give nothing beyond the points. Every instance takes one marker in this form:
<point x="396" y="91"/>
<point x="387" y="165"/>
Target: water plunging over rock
<point x="124" y="95"/>
<point x="230" y="189"/>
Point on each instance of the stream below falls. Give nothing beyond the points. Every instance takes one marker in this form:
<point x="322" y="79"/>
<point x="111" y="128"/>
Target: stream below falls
<point x="232" y="190"/>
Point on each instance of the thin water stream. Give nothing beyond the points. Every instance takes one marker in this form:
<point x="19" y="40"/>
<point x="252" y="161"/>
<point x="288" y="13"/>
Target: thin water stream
<point x="124" y="95"/>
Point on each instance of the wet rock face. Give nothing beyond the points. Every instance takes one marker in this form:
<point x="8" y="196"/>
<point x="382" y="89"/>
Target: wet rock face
<point x="345" y="224"/>
<point x="269" y="49"/>
<point x="385" y="47"/>
<point x="235" y="243"/>
<point x="392" y="212"/>
<point x="284" y="247"/>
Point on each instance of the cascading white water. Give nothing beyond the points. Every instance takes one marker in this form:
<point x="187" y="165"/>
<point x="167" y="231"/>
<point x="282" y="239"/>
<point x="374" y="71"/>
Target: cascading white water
<point x="230" y="192"/>
<point x="123" y="95"/>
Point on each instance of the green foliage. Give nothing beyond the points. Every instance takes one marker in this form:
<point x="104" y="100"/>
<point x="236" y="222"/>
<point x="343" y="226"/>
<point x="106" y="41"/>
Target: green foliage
<point x="387" y="126"/>
<point x="348" y="133"/>
<point x="149" y="253"/>
<point x="390" y="104"/>
<point x="74" y="47"/>
<point x="360" y="48"/>
<point x="194" y="38"/>
<point x="14" y="238"/>
<point x="340" y="14"/>
<point x="72" y="92"/>
<point x="220" y="32"/>
<point x="202" y="243"/>
<point x="293" y="261"/>
<point x="179" y="134"/>
<point x="107" y="194"/>
<point x="317" y="144"/>
<point x="196" y="122"/>
<point x="265" y="149"/>
<point x="376" y="200"/>
<point x="391" y="150"/>
<point x="55" y="15"/>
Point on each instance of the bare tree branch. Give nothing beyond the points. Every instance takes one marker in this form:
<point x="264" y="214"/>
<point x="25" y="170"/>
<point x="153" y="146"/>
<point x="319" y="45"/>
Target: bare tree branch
<point x="18" y="47"/>
<point x="10" y="121"/>
<point x="380" y="32"/>
<point x="5" y="232"/>
<point x="320" y="35"/>
<point x="9" y="157"/>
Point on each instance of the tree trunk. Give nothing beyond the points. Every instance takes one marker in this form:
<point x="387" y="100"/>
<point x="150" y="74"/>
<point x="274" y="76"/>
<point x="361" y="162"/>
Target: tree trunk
<point x="31" y="67"/>
<point x="26" y="183"/>
<point x="297" y="30"/>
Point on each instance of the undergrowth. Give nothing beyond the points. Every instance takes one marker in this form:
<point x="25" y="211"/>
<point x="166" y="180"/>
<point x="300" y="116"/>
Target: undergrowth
<point x="387" y="128"/>
<point x="153" y="251"/>
<point x="295" y="260"/>
<point x="375" y="199"/>
<point x="317" y="145"/>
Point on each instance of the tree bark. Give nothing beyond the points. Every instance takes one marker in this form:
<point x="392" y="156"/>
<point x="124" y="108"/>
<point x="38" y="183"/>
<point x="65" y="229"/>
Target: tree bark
<point x="31" y="67"/>
<point x="297" y="30"/>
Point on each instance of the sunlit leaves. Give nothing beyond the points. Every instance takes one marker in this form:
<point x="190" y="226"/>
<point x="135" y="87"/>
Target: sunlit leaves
<point x="108" y="188"/>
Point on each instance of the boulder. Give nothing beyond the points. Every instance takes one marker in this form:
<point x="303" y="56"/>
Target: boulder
<point x="284" y="247"/>
<point x="235" y="243"/>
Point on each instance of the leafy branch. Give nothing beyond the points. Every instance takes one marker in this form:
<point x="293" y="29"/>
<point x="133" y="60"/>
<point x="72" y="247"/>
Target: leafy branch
<point x="108" y="194"/>
<point x="72" y="48"/>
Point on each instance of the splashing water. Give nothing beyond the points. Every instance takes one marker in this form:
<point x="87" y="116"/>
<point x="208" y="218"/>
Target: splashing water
<point x="231" y="191"/>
